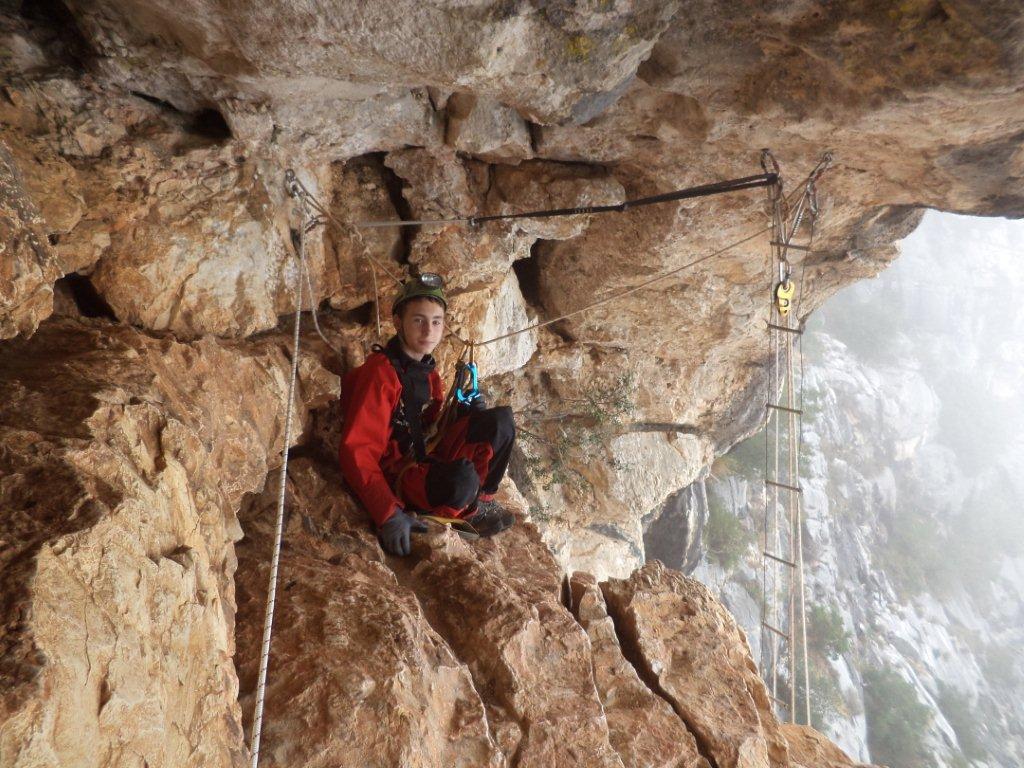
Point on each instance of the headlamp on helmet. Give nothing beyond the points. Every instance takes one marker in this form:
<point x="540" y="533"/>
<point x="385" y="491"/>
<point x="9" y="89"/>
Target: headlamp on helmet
<point x="428" y="285"/>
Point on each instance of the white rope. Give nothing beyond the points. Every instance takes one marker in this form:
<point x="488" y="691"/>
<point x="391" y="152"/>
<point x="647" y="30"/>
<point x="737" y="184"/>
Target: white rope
<point x="793" y="502"/>
<point x="799" y="501"/>
<point x="268" y="619"/>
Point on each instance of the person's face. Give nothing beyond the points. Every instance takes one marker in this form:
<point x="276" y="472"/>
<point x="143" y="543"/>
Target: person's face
<point x="421" y="325"/>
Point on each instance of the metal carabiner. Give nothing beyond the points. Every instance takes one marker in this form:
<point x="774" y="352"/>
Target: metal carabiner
<point x="812" y="199"/>
<point x="785" y="270"/>
<point x="467" y="396"/>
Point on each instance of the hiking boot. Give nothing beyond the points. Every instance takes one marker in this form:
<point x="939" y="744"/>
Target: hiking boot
<point x="490" y="518"/>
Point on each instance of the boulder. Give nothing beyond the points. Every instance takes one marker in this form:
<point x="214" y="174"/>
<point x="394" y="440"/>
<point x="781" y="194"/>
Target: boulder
<point x="29" y="267"/>
<point x="691" y="649"/>
<point x="642" y="726"/>
<point x="124" y="460"/>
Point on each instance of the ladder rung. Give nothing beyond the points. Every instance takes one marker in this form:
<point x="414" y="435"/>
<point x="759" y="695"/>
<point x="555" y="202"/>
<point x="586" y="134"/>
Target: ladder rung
<point x="779" y="559"/>
<point x="783" y="485"/>
<point x="797" y="331"/>
<point x="784" y="408"/>
<point x="794" y="246"/>
<point x="776" y="630"/>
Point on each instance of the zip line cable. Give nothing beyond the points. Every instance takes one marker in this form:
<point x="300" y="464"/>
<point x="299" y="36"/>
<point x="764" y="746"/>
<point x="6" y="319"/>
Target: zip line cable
<point x="704" y="190"/>
<point x="769" y="178"/>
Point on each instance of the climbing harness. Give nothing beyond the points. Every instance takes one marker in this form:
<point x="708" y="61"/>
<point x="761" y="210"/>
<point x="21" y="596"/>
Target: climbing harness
<point x="784" y="570"/>
<point x="409" y="406"/>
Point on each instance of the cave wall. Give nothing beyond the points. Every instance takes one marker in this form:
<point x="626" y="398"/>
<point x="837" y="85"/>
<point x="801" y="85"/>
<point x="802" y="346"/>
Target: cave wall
<point x="149" y="256"/>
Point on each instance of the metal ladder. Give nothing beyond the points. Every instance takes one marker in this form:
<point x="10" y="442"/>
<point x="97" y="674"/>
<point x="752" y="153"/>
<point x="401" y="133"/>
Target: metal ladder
<point x="782" y="553"/>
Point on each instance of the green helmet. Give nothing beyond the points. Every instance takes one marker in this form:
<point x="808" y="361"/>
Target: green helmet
<point x="426" y="286"/>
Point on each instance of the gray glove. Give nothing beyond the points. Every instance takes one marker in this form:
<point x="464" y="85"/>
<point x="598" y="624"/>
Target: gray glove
<point x="394" y="534"/>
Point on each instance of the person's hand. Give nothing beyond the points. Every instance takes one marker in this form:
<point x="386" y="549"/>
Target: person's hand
<point x="394" y="534"/>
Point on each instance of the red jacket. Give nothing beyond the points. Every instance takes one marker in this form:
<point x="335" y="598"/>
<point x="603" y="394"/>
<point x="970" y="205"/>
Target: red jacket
<point x="370" y="456"/>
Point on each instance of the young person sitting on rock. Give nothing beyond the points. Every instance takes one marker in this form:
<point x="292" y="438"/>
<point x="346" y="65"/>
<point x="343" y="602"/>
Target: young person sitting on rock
<point x="390" y="404"/>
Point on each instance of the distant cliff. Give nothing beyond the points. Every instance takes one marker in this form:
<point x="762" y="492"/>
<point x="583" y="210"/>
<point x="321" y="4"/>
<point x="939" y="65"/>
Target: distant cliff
<point x="912" y="475"/>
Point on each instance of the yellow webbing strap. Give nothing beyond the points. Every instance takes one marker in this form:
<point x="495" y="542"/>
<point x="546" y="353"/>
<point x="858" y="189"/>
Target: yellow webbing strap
<point x="460" y="525"/>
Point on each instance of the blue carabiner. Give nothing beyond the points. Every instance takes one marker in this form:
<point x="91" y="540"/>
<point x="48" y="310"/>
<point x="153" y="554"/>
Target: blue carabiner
<point x="474" y="391"/>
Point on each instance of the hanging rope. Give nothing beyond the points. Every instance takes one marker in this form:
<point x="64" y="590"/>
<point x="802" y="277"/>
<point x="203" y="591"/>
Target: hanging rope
<point x="268" y="618"/>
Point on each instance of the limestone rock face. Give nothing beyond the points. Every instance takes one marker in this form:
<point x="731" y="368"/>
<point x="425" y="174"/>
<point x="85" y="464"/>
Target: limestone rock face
<point x="287" y="58"/>
<point x="660" y="611"/>
<point x="29" y="267"/>
<point x="643" y="728"/>
<point x="176" y="230"/>
<point x="361" y="192"/>
<point x="143" y="148"/>
<point x="487" y="129"/>
<point x="809" y="749"/>
<point x="201" y="254"/>
<point x="124" y="461"/>
<point x="464" y="654"/>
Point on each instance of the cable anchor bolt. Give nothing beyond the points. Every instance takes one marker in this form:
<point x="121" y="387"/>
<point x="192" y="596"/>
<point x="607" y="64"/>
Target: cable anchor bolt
<point x="292" y="185"/>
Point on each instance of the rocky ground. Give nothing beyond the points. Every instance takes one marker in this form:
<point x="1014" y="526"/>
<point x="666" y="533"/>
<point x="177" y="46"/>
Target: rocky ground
<point x="149" y="256"/>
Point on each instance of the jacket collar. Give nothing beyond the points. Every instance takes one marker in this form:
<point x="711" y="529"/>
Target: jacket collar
<point x="394" y="348"/>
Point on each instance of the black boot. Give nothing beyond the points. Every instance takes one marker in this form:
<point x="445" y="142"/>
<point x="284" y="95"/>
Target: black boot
<point x="490" y="518"/>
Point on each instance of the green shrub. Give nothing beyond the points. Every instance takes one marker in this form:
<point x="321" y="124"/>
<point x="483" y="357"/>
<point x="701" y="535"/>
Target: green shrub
<point x="558" y="443"/>
<point x="916" y="554"/>
<point x="1000" y="665"/>
<point x="896" y="720"/>
<point x="826" y="698"/>
<point x="745" y="459"/>
<point x="826" y="635"/>
<point x="724" y="535"/>
<point x="956" y="708"/>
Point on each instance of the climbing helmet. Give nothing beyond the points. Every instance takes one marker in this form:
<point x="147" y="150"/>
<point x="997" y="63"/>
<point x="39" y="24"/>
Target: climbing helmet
<point x="427" y="285"/>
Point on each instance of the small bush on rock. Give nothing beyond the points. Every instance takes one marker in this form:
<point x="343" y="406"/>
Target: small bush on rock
<point x="726" y="538"/>
<point x="826" y="634"/>
<point x="896" y="720"/>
